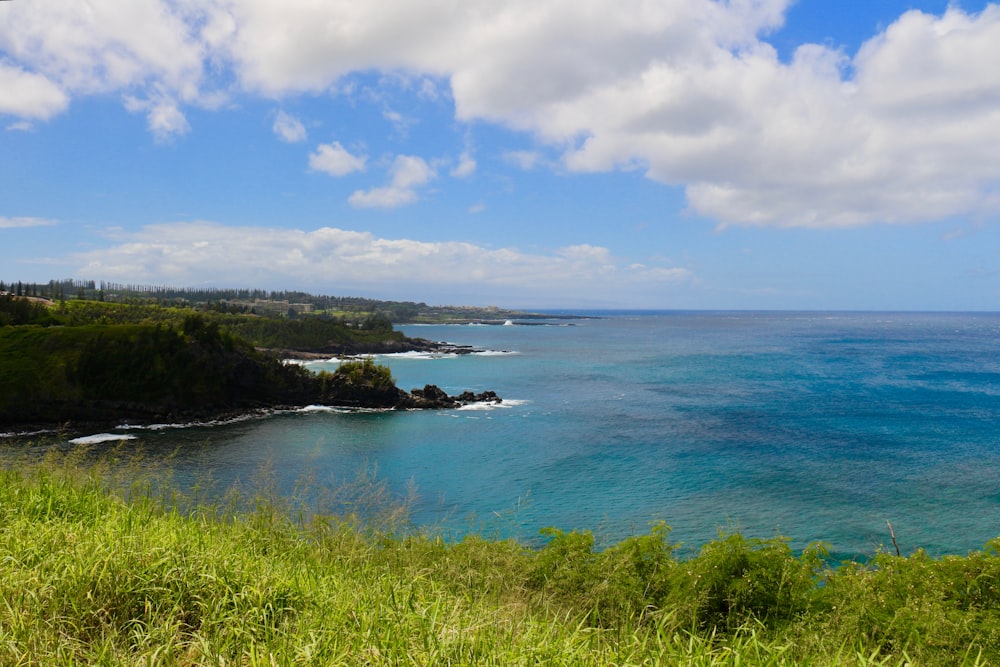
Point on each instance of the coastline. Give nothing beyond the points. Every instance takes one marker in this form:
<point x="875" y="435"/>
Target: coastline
<point x="366" y="349"/>
<point x="243" y="384"/>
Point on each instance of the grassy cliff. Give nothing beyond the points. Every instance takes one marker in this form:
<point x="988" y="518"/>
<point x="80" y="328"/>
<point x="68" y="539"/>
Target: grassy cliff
<point x="104" y="565"/>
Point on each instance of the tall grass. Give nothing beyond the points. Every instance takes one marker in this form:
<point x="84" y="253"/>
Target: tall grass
<point x="105" y="562"/>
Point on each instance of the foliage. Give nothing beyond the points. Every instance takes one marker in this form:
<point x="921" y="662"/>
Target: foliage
<point x="17" y="311"/>
<point x="735" y="580"/>
<point x="624" y="582"/>
<point x="224" y="300"/>
<point x="105" y="562"/>
<point x="365" y="372"/>
<point x="106" y="360"/>
<point x="318" y="333"/>
<point x="105" y="371"/>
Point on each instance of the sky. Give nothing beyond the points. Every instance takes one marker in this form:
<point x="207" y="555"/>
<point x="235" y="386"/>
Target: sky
<point x="661" y="154"/>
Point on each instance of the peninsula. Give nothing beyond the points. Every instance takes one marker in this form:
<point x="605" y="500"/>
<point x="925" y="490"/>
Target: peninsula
<point x="75" y="361"/>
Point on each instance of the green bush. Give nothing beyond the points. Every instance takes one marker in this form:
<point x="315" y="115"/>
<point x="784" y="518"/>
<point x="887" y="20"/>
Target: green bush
<point x="735" y="580"/>
<point x="365" y="372"/>
<point x="627" y="581"/>
<point x="929" y="608"/>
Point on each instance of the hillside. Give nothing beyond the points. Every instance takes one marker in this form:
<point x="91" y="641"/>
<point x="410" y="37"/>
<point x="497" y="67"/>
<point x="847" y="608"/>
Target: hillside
<point x="97" y="362"/>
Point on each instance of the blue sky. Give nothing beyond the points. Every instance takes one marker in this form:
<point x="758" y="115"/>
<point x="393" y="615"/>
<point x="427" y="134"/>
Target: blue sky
<point x="757" y="154"/>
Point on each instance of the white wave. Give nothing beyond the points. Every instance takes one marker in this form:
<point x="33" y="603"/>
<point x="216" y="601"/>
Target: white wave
<point x="98" y="438"/>
<point x="260" y="414"/>
<point x="420" y="355"/>
<point x="423" y="356"/>
<point x="489" y="405"/>
<point x="310" y="362"/>
<point x="334" y="409"/>
<point x="25" y="434"/>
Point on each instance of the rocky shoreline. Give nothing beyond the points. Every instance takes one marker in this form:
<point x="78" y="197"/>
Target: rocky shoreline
<point x="123" y="414"/>
<point x="108" y="381"/>
<point x="381" y="347"/>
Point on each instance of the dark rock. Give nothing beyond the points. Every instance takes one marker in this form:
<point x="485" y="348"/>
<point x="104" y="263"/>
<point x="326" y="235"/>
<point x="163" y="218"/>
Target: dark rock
<point x="433" y="397"/>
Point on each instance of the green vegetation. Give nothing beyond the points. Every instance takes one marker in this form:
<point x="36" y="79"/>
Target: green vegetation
<point x="314" y="333"/>
<point x="354" y="311"/>
<point x="107" y="372"/>
<point x="79" y="360"/>
<point x="110" y="362"/>
<point x="98" y="568"/>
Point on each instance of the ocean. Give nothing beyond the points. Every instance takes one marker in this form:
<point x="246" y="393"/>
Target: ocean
<point x="814" y="426"/>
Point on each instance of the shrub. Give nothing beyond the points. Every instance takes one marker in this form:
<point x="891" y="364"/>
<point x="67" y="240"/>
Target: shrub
<point x="366" y="372"/>
<point x="625" y="582"/>
<point x="735" y="580"/>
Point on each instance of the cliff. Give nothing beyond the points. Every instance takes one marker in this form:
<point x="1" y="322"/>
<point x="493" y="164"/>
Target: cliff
<point x="152" y="372"/>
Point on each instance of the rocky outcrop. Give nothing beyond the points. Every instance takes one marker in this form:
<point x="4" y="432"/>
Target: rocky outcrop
<point x="365" y="384"/>
<point x="432" y="396"/>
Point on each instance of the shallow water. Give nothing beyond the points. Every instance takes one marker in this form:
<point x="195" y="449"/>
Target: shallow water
<point x="818" y="426"/>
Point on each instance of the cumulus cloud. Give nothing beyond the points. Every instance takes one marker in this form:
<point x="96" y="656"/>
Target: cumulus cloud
<point x="289" y="128"/>
<point x="900" y="133"/>
<point x="154" y="53"/>
<point x="29" y="95"/>
<point x="338" y="260"/>
<point x="408" y="173"/>
<point x="335" y="160"/>
<point x="689" y="91"/>
<point x="163" y="117"/>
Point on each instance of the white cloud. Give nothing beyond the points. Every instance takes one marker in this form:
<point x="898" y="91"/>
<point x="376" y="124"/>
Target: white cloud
<point x="466" y="166"/>
<point x="167" y="121"/>
<point x="16" y="223"/>
<point x="689" y="91"/>
<point x="335" y="160"/>
<point x="408" y="173"/>
<point x="759" y="142"/>
<point x="526" y="160"/>
<point x="339" y="261"/>
<point x="163" y="117"/>
<point x="387" y="197"/>
<point x="289" y="128"/>
<point x="29" y="95"/>
<point x="141" y="48"/>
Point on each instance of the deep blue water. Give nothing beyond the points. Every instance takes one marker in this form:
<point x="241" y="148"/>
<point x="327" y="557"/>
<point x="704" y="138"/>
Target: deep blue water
<point x="817" y="426"/>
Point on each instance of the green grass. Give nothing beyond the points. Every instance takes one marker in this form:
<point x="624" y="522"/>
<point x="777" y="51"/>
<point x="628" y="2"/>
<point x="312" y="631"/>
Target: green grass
<point x="106" y="562"/>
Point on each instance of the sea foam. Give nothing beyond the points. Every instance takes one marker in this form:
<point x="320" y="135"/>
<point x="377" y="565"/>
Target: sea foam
<point x="98" y="438"/>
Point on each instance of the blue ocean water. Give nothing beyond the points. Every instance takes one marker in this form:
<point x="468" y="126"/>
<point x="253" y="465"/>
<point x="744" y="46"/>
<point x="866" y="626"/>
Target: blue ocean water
<point x="816" y="426"/>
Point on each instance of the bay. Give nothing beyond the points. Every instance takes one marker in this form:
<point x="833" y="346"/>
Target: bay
<point x="817" y="426"/>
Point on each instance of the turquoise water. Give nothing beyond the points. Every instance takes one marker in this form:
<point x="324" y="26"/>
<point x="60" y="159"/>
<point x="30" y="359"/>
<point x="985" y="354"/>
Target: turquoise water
<point x="818" y="426"/>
